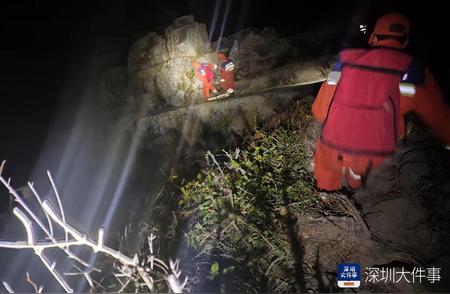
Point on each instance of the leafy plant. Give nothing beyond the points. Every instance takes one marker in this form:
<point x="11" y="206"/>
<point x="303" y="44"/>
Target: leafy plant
<point x="239" y="209"/>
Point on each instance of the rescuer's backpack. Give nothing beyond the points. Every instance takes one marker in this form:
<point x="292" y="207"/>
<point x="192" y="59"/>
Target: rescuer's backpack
<point x="362" y="116"/>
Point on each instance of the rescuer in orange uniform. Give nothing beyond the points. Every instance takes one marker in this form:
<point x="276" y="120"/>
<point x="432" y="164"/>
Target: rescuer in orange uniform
<point x="227" y="73"/>
<point x="363" y="102"/>
<point x="205" y="75"/>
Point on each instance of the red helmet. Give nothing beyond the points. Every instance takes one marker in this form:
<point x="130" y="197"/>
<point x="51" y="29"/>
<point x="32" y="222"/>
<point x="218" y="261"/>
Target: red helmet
<point x="390" y="25"/>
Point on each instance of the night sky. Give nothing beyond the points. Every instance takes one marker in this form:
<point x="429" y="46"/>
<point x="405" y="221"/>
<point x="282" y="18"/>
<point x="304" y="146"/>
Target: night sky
<point x="45" y="43"/>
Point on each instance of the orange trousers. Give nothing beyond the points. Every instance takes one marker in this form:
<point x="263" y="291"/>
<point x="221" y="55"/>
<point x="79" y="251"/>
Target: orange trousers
<point x="207" y="87"/>
<point x="333" y="170"/>
<point x="229" y="78"/>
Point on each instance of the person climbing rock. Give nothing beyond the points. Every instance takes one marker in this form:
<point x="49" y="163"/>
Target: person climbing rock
<point x="205" y="75"/>
<point x="363" y="103"/>
<point x="227" y="73"/>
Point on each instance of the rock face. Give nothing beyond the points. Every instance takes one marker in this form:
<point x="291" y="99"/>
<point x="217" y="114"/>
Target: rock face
<point x="159" y="66"/>
<point x="210" y="126"/>
<point x="292" y="74"/>
<point x="158" y="89"/>
<point x="256" y="52"/>
<point x="160" y="76"/>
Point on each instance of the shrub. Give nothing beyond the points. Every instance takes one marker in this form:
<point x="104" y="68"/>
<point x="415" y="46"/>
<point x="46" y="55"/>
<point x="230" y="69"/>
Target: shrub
<point x="239" y="210"/>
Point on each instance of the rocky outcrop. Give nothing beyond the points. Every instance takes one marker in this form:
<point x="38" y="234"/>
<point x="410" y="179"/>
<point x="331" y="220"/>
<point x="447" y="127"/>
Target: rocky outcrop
<point x="160" y="75"/>
<point x="158" y="91"/>
<point x="257" y="51"/>
<point x="286" y="76"/>
<point x="159" y="66"/>
<point x="195" y="124"/>
<point x="163" y="99"/>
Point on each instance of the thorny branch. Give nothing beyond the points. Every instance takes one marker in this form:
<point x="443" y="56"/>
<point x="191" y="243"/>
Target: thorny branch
<point x="140" y="272"/>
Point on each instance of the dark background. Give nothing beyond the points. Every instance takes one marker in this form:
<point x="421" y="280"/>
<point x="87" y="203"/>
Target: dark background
<point x="47" y="45"/>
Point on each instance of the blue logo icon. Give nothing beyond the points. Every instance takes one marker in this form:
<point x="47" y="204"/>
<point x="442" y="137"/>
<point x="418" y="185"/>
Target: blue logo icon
<point x="348" y="275"/>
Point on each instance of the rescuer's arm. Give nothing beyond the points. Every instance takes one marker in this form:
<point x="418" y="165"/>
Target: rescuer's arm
<point x="326" y="93"/>
<point x="429" y="105"/>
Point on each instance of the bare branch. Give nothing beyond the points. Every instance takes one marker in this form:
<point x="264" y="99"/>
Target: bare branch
<point x="36" y="194"/>
<point x="24" y="205"/>
<point x="26" y="223"/>
<point x="7" y="286"/>
<point x="173" y="279"/>
<point x="132" y="269"/>
<point x="86" y="275"/>
<point x="35" y="286"/>
<point x="39" y="245"/>
<point x="49" y="234"/>
<point x="175" y="284"/>
<point x="30" y="234"/>
<point x="116" y="254"/>
<point x="2" y="166"/>
<point x="101" y="231"/>
<point x="61" y="209"/>
<point x="82" y="237"/>
<point x="124" y="285"/>
<point x="150" y="242"/>
<point x="54" y="272"/>
<point x="208" y="153"/>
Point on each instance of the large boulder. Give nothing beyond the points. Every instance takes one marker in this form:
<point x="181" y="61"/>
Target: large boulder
<point x="159" y="66"/>
<point x="223" y="118"/>
<point x="148" y="51"/>
<point x="284" y="76"/>
<point x="186" y="38"/>
<point x="159" y="75"/>
<point x="257" y="51"/>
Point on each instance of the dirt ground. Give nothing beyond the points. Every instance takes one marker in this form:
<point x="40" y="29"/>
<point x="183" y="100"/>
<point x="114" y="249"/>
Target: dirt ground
<point x="399" y="219"/>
